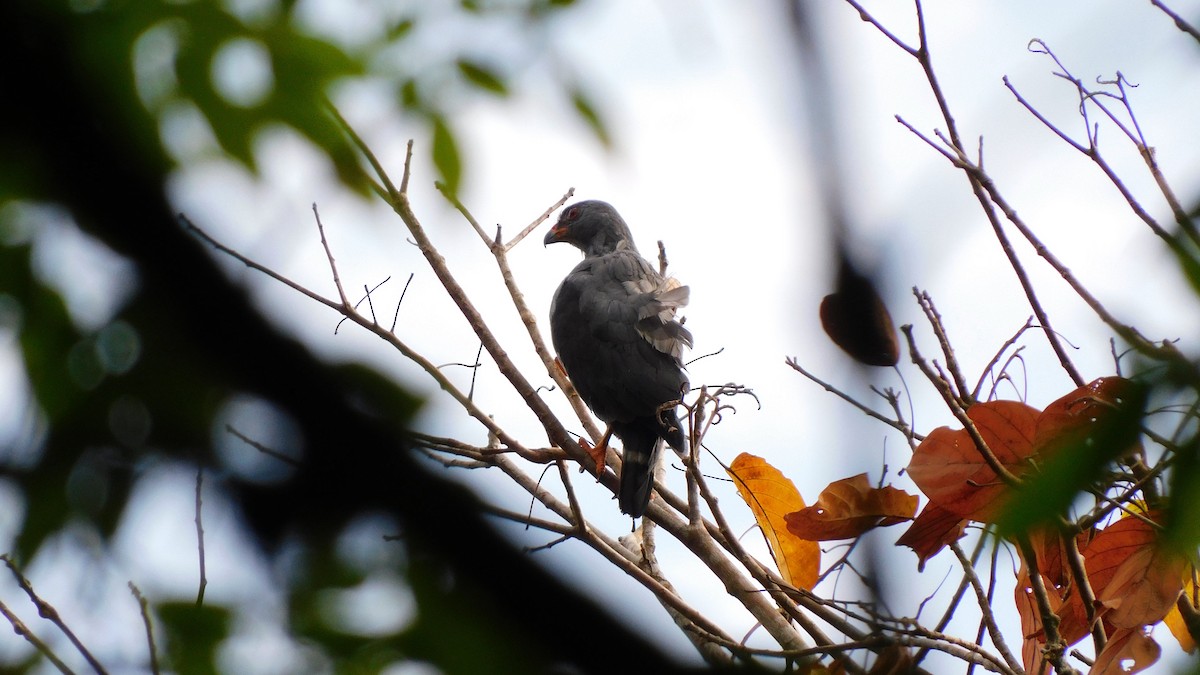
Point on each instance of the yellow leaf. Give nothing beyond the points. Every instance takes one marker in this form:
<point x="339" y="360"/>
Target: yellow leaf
<point x="1174" y="619"/>
<point x="771" y="496"/>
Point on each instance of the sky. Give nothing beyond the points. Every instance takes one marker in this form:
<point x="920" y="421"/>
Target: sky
<point x="707" y="106"/>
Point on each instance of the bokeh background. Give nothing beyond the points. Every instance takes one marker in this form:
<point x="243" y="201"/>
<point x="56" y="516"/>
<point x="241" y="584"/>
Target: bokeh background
<point x="700" y="121"/>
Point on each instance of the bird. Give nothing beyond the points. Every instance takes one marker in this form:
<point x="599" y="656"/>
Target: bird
<point x="613" y="325"/>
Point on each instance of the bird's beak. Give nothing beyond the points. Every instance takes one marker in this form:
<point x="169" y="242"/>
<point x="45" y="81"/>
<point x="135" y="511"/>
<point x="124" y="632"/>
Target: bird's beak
<point x="556" y="234"/>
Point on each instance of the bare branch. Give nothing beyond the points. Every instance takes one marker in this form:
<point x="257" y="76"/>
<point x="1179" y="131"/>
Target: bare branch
<point x="200" y="537"/>
<point x="1180" y="23"/>
<point x="539" y="220"/>
<point x="22" y="630"/>
<point x="985" y="607"/>
<point x="895" y="424"/>
<point x="145" y="610"/>
<point x="48" y="612"/>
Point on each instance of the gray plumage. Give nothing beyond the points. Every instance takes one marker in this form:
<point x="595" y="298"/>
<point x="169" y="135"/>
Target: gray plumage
<point x="613" y="325"/>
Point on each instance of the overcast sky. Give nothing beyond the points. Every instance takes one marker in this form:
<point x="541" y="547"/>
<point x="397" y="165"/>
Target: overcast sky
<point x="706" y="106"/>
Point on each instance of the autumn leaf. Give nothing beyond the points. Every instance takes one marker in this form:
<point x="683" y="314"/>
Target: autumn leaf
<point x="894" y="659"/>
<point x="849" y="507"/>
<point x="1076" y="439"/>
<point x="1073" y="623"/>
<point x="1031" y="626"/>
<point x="1051" y="553"/>
<point x="934" y="528"/>
<point x="1031" y="620"/>
<point x="1128" y="650"/>
<point x="950" y="470"/>
<point x="1137" y="579"/>
<point x="1175" y="620"/>
<point x="1084" y="413"/>
<point x="771" y="496"/>
<point x="856" y="319"/>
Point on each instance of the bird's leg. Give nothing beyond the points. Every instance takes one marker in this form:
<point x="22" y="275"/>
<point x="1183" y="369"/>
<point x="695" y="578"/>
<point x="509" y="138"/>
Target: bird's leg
<point x="597" y="452"/>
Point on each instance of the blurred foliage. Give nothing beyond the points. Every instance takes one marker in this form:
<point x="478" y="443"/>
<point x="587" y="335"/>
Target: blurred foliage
<point x="151" y="57"/>
<point x="97" y="84"/>
<point x="144" y="387"/>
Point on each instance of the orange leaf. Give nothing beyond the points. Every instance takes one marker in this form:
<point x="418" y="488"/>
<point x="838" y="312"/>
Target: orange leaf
<point x="1132" y="575"/>
<point x="1031" y="621"/>
<point x="770" y="496"/>
<point x="1081" y="413"/>
<point x="856" y="319"/>
<point x="950" y="470"/>
<point x="1051" y="553"/>
<point x="1129" y="650"/>
<point x="1073" y="624"/>
<point x="1174" y="618"/>
<point x="849" y="507"/>
<point x="933" y="528"/>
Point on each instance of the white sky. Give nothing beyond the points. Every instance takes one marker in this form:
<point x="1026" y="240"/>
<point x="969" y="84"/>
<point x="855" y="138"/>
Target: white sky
<point x="705" y="103"/>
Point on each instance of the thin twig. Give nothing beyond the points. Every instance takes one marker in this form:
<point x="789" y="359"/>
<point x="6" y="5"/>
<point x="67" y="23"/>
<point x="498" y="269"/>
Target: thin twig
<point x="22" y="630"/>
<point x="985" y="607"/>
<point x="329" y="254"/>
<point x="200" y="537"/>
<point x="508" y="246"/>
<point x="1180" y="23"/>
<point x="229" y="428"/>
<point x="960" y="413"/>
<point x="925" y="301"/>
<point x="897" y="425"/>
<point x="396" y="316"/>
<point x="144" y="606"/>
<point x="48" y="612"/>
<point x="995" y="359"/>
<point x="976" y="178"/>
<point x="500" y="253"/>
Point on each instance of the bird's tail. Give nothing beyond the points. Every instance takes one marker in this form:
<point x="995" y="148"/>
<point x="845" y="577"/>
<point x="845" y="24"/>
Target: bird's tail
<point x="640" y="439"/>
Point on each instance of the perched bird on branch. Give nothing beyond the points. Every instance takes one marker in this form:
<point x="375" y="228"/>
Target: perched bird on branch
<point x="614" y="328"/>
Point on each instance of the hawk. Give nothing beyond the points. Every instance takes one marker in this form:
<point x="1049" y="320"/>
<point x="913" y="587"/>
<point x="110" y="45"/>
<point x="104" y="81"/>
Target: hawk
<point x="614" y="328"/>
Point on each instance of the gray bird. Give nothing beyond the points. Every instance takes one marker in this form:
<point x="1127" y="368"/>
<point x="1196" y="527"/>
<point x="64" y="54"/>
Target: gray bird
<point x="613" y="325"/>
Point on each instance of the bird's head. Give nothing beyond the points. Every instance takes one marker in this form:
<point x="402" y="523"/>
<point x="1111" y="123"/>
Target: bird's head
<point x="593" y="227"/>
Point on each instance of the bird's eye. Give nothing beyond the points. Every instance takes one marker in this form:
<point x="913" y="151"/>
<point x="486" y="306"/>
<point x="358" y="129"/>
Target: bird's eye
<point x="573" y="213"/>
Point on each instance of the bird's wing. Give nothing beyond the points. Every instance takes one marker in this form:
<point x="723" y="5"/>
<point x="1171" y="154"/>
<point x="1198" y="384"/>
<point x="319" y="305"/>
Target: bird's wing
<point x="614" y="339"/>
<point x="657" y="301"/>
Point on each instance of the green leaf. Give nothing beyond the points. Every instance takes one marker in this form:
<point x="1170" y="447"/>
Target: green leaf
<point x="587" y="111"/>
<point x="1080" y="458"/>
<point x="445" y="155"/>
<point x="483" y="77"/>
<point x="400" y="30"/>
<point x="409" y="97"/>
<point x="193" y="634"/>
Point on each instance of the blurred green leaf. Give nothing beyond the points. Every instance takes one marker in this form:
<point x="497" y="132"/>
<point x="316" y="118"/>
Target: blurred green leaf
<point x="543" y="7"/>
<point x="408" y="95"/>
<point x="367" y="386"/>
<point x="449" y="607"/>
<point x="193" y="634"/>
<point x="400" y="30"/>
<point x="445" y="154"/>
<point x="1071" y="467"/>
<point x="587" y="111"/>
<point x="1183" y="510"/>
<point x="483" y="77"/>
